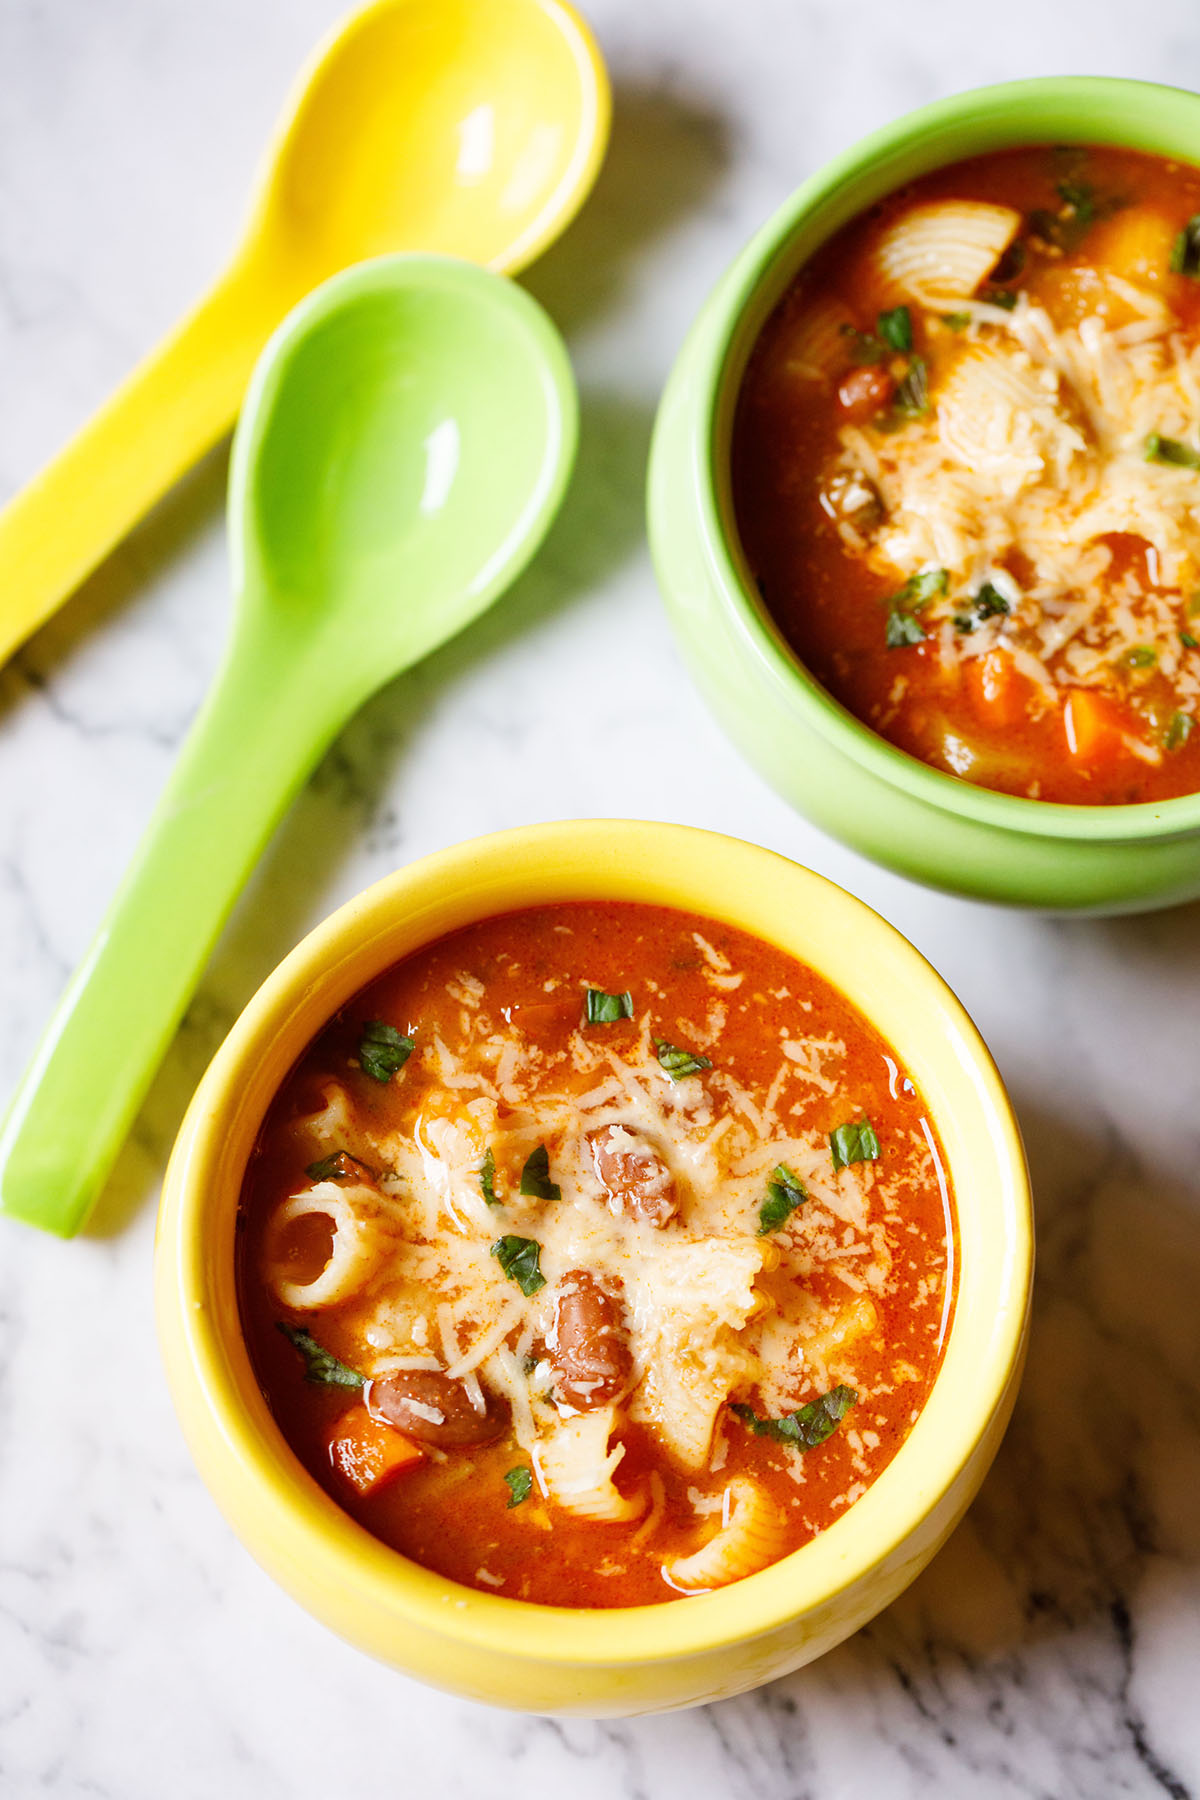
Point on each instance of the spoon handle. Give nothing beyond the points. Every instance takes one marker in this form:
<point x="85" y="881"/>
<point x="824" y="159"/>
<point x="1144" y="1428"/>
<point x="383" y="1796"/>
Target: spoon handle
<point x="242" y="763"/>
<point x="174" y="406"/>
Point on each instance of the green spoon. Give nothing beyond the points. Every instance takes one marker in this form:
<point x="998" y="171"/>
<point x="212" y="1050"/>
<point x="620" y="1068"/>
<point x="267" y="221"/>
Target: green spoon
<point x="405" y="442"/>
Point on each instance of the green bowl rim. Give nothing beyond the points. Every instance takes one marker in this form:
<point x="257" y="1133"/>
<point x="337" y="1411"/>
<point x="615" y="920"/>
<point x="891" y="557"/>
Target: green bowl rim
<point x="724" y="317"/>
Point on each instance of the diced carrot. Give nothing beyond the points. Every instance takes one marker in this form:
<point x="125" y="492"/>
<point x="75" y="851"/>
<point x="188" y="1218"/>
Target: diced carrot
<point x="367" y="1453"/>
<point x="1094" y="725"/>
<point x="999" y="690"/>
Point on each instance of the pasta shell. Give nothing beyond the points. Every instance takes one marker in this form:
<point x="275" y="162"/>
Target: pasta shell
<point x="360" y="1240"/>
<point x="816" y="346"/>
<point x="578" y="1465"/>
<point x="940" y="251"/>
<point x="999" y="416"/>
<point x="332" y="1128"/>
<point x="752" y="1536"/>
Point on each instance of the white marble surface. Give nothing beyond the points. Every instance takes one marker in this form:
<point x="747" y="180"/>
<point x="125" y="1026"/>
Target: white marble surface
<point x="1053" y="1649"/>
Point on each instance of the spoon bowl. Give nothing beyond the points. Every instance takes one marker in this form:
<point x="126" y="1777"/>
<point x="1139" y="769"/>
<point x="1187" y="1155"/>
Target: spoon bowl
<point x="469" y="128"/>
<point x="403" y="440"/>
<point x="406" y="441"/>
<point x="441" y="125"/>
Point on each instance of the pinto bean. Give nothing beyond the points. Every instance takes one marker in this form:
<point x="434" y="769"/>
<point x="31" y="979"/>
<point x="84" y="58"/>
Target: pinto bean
<point x="634" y="1174"/>
<point x="426" y="1405"/>
<point x="865" y="391"/>
<point x="587" y="1343"/>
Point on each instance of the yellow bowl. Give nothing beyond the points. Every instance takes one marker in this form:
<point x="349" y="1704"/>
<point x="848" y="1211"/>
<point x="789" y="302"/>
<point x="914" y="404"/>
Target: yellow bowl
<point x="630" y="1660"/>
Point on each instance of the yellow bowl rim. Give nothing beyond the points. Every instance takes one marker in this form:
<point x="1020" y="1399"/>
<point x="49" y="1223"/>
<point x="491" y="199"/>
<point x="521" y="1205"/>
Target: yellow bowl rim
<point x="271" y="1500"/>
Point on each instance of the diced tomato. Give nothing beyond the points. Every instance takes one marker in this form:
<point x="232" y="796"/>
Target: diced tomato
<point x="367" y="1453"/>
<point x="1094" y="726"/>
<point x="999" y="691"/>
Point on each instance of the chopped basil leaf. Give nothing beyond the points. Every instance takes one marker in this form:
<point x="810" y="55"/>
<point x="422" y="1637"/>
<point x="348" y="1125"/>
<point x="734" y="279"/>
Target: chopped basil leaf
<point x="1185" y="251"/>
<point x="321" y="1366"/>
<point x="1188" y="641"/>
<point x="903" y="628"/>
<point x="1142" y="656"/>
<point x="785" y="1192"/>
<point x="535" y="1176"/>
<point x="895" y="328"/>
<point x="808" y="1426"/>
<point x="341" y="1166"/>
<point x="926" y="585"/>
<point x="1170" y="450"/>
<point x="918" y="591"/>
<point x="520" y="1485"/>
<point x="957" y="321"/>
<point x="988" y="603"/>
<point x="679" y="1063"/>
<point x="487" y="1177"/>
<point x="382" y="1050"/>
<point x="606" y="1009"/>
<point x="1179" y="730"/>
<point x="853" y="1143"/>
<point x="1005" y="298"/>
<point x="1079" y="211"/>
<point x="518" y="1257"/>
<point x="864" y="347"/>
<point x="912" y="395"/>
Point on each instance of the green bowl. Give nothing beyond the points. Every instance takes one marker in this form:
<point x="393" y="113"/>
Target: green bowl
<point x="862" y="790"/>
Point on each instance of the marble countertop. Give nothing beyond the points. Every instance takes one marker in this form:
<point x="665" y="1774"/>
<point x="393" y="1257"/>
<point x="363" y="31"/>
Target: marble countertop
<point x="1053" y="1648"/>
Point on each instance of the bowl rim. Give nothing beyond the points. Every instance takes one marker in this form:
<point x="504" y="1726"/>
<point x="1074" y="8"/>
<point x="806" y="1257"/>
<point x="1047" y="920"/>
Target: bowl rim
<point x="209" y="1372"/>
<point x="1003" y="115"/>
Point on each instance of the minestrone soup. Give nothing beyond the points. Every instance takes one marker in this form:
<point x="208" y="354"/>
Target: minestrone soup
<point x="966" y="469"/>
<point x="597" y="1255"/>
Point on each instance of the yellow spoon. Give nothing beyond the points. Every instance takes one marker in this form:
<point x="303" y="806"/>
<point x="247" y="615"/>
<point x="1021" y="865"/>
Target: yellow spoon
<point x="470" y="127"/>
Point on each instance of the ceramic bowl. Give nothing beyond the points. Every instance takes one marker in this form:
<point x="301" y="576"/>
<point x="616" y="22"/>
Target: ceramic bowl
<point x="856" y="786"/>
<point x="629" y="1660"/>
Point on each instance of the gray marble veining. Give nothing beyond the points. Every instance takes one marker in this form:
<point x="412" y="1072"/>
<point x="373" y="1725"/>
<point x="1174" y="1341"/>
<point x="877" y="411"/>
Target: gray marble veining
<point x="1053" y="1648"/>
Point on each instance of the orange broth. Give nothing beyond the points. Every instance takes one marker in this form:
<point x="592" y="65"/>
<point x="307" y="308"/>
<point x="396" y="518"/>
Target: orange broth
<point x="525" y="975"/>
<point x="1114" y="723"/>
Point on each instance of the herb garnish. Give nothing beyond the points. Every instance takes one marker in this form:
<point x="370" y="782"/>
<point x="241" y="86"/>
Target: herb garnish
<point x="1005" y="298"/>
<point x="987" y="603"/>
<point x="382" y="1050"/>
<point x="854" y="1143"/>
<point x="864" y="346"/>
<point x="1188" y="641"/>
<point x="895" y="328"/>
<point x="1179" y="730"/>
<point x="785" y="1192"/>
<point x="903" y="627"/>
<point x="1141" y="656"/>
<point x="518" y="1257"/>
<point x="679" y="1063"/>
<point x="912" y="395"/>
<point x="487" y="1177"/>
<point x="1079" y="211"/>
<point x="520" y="1485"/>
<point x="1170" y="450"/>
<point x="1185" y="251"/>
<point x="957" y="321"/>
<point x="606" y="1009"/>
<point x="808" y="1426"/>
<point x="341" y="1166"/>
<point x="321" y="1366"/>
<point x="535" y="1176"/>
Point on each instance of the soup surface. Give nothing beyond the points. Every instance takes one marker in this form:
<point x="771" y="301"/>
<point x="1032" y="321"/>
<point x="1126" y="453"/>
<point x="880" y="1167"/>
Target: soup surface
<point x="966" y="470"/>
<point x="596" y="1255"/>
